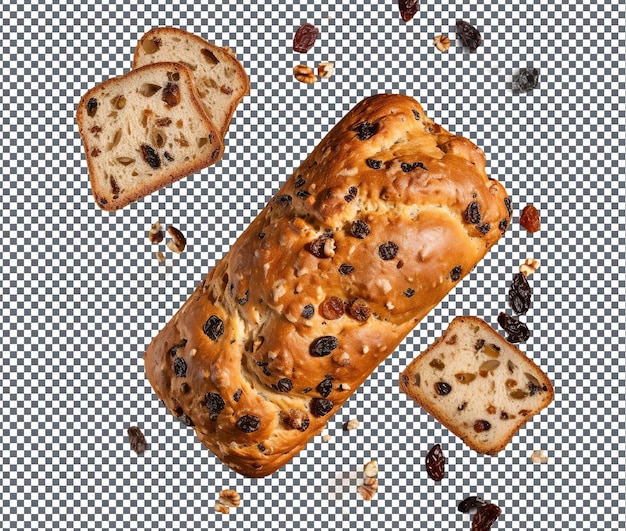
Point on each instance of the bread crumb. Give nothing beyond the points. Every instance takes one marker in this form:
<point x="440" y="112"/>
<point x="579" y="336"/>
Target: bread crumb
<point x="370" y="469"/>
<point x="369" y="488"/>
<point x="230" y="498"/>
<point x="352" y="424"/>
<point x="160" y="256"/>
<point x="326" y="438"/>
<point x="538" y="457"/>
<point x="221" y="508"/>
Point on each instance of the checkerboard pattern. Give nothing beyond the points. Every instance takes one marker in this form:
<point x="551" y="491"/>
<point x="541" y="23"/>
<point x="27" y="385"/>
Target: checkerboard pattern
<point x="83" y="295"/>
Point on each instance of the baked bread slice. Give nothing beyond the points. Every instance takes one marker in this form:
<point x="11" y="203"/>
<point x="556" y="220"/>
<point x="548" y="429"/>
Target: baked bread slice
<point x="477" y="384"/>
<point x="143" y="131"/>
<point x="220" y="78"/>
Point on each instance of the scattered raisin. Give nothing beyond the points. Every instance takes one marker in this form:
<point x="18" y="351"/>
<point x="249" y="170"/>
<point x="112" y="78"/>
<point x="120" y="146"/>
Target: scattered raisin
<point x="530" y="219"/>
<point x="365" y="130"/>
<point x="185" y="420"/>
<point x="374" y="164"/>
<point x="468" y="35"/>
<point x="261" y="235"/>
<point x="442" y="388"/>
<point x="248" y="423"/>
<point x="299" y="182"/>
<point x="316" y="247"/>
<point x="214" y="403"/>
<point x="243" y="300"/>
<point x="323" y="346"/>
<point x="520" y="294"/>
<point x="472" y="213"/>
<point x="174" y="349"/>
<point x="485" y="517"/>
<point x="533" y="388"/>
<point x="320" y="407"/>
<point x="504" y="415"/>
<point x="304" y="38"/>
<point x="303" y="194"/>
<point x="325" y="386"/>
<point x="283" y="200"/>
<point x="481" y="425"/>
<point x="407" y="167"/>
<point x="456" y="273"/>
<point x="408" y="9"/>
<point x="352" y="193"/>
<point x="92" y="107"/>
<point x="168" y="157"/>
<point x="416" y="114"/>
<point x="308" y="311"/>
<point x="150" y="156"/>
<point x="360" y="229"/>
<point x="503" y="225"/>
<point x="517" y="331"/>
<point x="359" y="310"/>
<point x="331" y="308"/>
<point x="526" y="79"/>
<point x="509" y="205"/>
<point x="171" y="94"/>
<point x="184" y="388"/>
<point x="484" y="228"/>
<point x="409" y="292"/>
<point x="180" y="367"/>
<point x="405" y="380"/>
<point x="435" y="463"/>
<point x="284" y="385"/>
<point x="479" y="344"/>
<point x="237" y="395"/>
<point x="388" y="251"/>
<point x="261" y="447"/>
<point x="163" y="122"/>
<point x="95" y="152"/>
<point x="306" y="390"/>
<point x="470" y="503"/>
<point x="214" y="327"/>
<point x="345" y="269"/>
<point x="136" y="437"/>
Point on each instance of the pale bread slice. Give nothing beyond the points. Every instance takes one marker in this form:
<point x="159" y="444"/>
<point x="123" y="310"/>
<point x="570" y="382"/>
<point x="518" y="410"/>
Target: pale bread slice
<point x="220" y="79"/>
<point x="144" y="130"/>
<point x="477" y="384"/>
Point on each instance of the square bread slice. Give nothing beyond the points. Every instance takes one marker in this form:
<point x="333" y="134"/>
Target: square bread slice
<point x="220" y="78"/>
<point x="144" y="130"/>
<point x="477" y="384"/>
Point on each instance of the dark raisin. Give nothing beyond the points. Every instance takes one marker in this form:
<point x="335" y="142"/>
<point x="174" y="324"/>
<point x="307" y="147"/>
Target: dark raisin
<point x="345" y="269"/>
<point x="352" y="193"/>
<point x="137" y="439"/>
<point x="468" y="35"/>
<point x="443" y="388"/>
<point x="299" y="182"/>
<point x="456" y="273"/>
<point x="243" y="300"/>
<point x="283" y="200"/>
<point x="150" y="156"/>
<point x="171" y="94"/>
<point x="520" y="294"/>
<point x="180" y="367"/>
<point x="261" y="447"/>
<point x="359" y="310"/>
<point x="184" y="388"/>
<point x="304" y="38"/>
<point x="284" y="385"/>
<point x="388" y="251"/>
<point x="174" y="349"/>
<point x="503" y="225"/>
<point x="92" y="107"/>
<point x="533" y="388"/>
<point x="365" y="130"/>
<point x="331" y="308"/>
<point x="472" y="213"/>
<point x="407" y="167"/>
<point x="436" y="463"/>
<point x="308" y="311"/>
<point x="409" y="292"/>
<point x="526" y="79"/>
<point x="405" y="380"/>
<point x="168" y="156"/>
<point x="214" y="327"/>
<point x="306" y="390"/>
<point x="248" y="423"/>
<point x="237" y="395"/>
<point x="484" y="228"/>
<point x="263" y="365"/>
<point x="470" y="503"/>
<point x="479" y="344"/>
<point x="261" y="235"/>
<point x="323" y="346"/>
<point x="504" y="415"/>
<point x="321" y="407"/>
<point x="530" y="219"/>
<point x="485" y="517"/>
<point x="185" y="420"/>
<point x="509" y="205"/>
<point x="325" y="386"/>
<point x="517" y="331"/>
<point x="408" y="9"/>
<point x="316" y="247"/>
<point x="374" y="164"/>
<point x="215" y="404"/>
<point x="360" y="229"/>
<point x="303" y="194"/>
<point x="416" y="114"/>
<point x="481" y="425"/>
<point x="462" y="406"/>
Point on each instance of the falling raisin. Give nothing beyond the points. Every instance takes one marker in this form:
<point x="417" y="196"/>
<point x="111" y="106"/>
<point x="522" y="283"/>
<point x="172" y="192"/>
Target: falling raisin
<point x="442" y="388"/>
<point x="137" y="439"/>
<point x="215" y="404"/>
<point x="331" y="308"/>
<point x="360" y="229"/>
<point x="345" y="269"/>
<point x="359" y="310"/>
<point x="284" y="385"/>
<point x="374" y="164"/>
<point x="409" y="292"/>
<point x="472" y="213"/>
<point x="520" y="294"/>
<point x="388" y="251"/>
<point x="323" y="346"/>
<point x="283" y="200"/>
<point x="308" y="311"/>
<point x="456" y="273"/>
<point x="526" y="79"/>
<point x="365" y="130"/>
<point x="305" y="38"/>
<point x="92" y="107"/>
<point x="325" y="386"/>
<point x="214" y="327"/>
<point x="321" y="407"/>
<point x="248" y="423"/>
<point x="436" y="463"/>
<point x="180" y="367"/>
<point x="470" y="503"/>
<point x="175" y="348"/>
<point x="481" y="425"/>
<point x="171" y="94"/>
<point x="408" y="9"/>
<point x="352" y="193"/>
<point x="517" y="331"/>
<point x="530" y="219"/>
<point x="237" y="395"/>
<point x="407" y="167"/>
<point x="468" y="35"/>
<point x="150" y="156"/>
<point x="486" y="517"/>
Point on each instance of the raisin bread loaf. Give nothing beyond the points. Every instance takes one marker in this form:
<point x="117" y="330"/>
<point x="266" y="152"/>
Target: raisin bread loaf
<point x="220" y="78"/>
<point x="386" y="215"/>
<point x="142" y="131"/>
<point x="477" y="384"/>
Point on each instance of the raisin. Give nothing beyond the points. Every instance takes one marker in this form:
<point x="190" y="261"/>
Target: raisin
<point x="171" y="94"/>
<point x="283" y="200"/>
<point x="325" y="386"/>
<point x="509" y="205"/>
<point x="374" y="164"/>
<point x="409" y="292"/>
<point x="168" y="157"/>
<point x="284" y="385"/>
<point x="416" y="114"/>
<point x="530" y="219"/>
<point x="243" y="300"/>
<point x="299" y="182"/>
<point x="323" y="346"/>
<point x="388" y="251"/>
<point x="308" y="311"/>
<point x="504" y="415"/>
<point x="331" y="308"/>
<point x="360" y="229"/>
<point x="150" y="156"/>
<point x="442" y="388"/>
<point x="456" y="273"/>
<point x="408" y="9"/>
<point x="92" y="107"/>
<point x="481" y="425"/>
<point x="237" y="395"/>
<point x="261" y="235"/>
<point x="261" y="447"/>
<point x="215" y="404"/>
<point x="184" y="388"/>
<point x="180" y="367"/>
<point x="214" y="327"/>
<point x="248" y="423"/>
<point x="485" y="517"/>
<point x="407" y="167"/>
<point x="359" y="310"/>
<point x="470" y="503"/>
<point x="137" y="439"/>
<point x="520" y="294"/>
<point x="526" y="79"/>
<point x="436" y="463"/>
<point x="503" y="225"/>
<point x="479" y="344"/>
<point x="345" y="269"/>
<point x="468" y="35"/>
<point x="365" y="130"/>
<point x="305" y="38"/>
<point x="352" y="193"/>
<point x="472" y="213"/>
<point x="185" y="420"/>
<point x="303" y="194"/>
<point x="405" y="380"/>
<point x="484" y="228"/>
<point x="174" y="349"/>
<point x="316" y="247"/>
<point x="517" y="331"/>
<point x="306" y="390"/>
<point x="321" y="407"/>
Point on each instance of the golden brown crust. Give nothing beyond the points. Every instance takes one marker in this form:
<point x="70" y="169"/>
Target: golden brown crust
<point x="376" y="217"/>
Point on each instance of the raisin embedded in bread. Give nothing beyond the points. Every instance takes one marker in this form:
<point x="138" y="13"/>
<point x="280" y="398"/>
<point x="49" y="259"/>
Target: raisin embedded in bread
<point x="219" y="77"/>
<point x="477" y="384"/>
<point x="143" y="131"/>
<point x="360" y="243"/>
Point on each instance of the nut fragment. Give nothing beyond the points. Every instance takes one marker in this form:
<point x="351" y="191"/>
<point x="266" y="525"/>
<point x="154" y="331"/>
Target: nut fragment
<point x="538" y="457"/>
<point x="442" y="43"/>
<point x="325" y="69"/>
<point x="221" y="508"/>
<point x="178" y="241"/>
<point x="369" y="488"/>
<point x="230" y="498"/>
<point x="304" y="74"/>
<point x="155" y="235"/>
<point x="352" y="424"/>
<point x="529" y="266"/>
<point x="326" y="438"/>
<point x="370" y="469"/>
<point x="160" y="256"/>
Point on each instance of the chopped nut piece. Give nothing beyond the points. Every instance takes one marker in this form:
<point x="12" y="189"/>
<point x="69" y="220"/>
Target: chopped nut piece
<point x="369" y="488"/>
<point x="352" y="424"/>
<point x="155" y="235"/>
<point x="329" y="247"/>
<point x="160" y="256"/>
<point x="371" y="469"/>
<point x="325" y="70"/>
<point x="178" y="241"/>
<point x="221" y="508"/>
<point x="326" y="438"/>
<point x="538" y="457"/>
<point x="344" y="387"/>
<point x="529" y="266"/>
<point x="230" y="498"/>
<point x="304" y="74"/>
<point x="442" y="43"/>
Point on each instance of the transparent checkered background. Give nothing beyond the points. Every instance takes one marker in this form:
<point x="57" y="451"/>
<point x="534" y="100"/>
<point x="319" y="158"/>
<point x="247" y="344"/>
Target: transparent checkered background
<point x="82" y="294"/>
